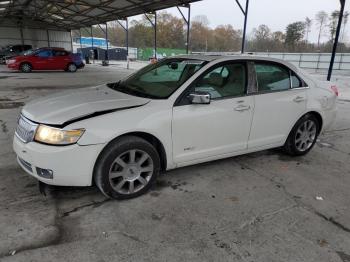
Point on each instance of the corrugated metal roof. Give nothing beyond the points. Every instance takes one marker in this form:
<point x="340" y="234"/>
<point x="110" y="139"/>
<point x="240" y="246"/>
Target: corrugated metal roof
<point x="74" y="14"/>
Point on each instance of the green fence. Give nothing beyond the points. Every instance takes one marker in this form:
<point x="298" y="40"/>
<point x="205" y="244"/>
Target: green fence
<point x="146" y="53"/>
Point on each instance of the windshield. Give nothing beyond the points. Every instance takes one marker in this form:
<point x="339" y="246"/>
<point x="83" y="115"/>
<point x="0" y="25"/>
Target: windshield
<point x="160" y="80"/>
<point x="28" y="52"/>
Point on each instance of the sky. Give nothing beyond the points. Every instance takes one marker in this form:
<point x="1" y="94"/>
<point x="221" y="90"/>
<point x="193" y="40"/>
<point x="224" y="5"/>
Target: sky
<point x="276" y="14"/>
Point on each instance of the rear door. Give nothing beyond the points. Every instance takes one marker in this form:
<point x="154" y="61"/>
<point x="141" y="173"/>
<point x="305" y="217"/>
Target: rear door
<point x="279" y="102"/>
<point x="207" y="131"/>
<point x="61" y="59"/>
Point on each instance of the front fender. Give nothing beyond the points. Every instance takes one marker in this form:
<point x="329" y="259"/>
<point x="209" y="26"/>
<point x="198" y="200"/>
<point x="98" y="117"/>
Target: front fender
<point x="153" y="120"/>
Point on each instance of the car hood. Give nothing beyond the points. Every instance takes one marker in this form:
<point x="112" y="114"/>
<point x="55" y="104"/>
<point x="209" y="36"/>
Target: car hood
<point x="71" y="106"/>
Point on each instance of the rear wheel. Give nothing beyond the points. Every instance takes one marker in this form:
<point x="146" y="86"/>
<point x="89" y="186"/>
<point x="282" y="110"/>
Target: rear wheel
<point x="26" y="68"/>
<point x="127" y="168"/>
<point x="303" y="136"/>
<point x="72" y="68"/>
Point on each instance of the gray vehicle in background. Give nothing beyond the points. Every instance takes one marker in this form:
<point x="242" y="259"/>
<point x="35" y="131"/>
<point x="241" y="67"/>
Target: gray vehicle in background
<point x="11" y="51"/>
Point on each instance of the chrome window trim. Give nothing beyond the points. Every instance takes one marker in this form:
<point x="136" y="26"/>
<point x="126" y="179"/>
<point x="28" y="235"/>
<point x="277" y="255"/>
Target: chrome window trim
<point x="300" y="88"/>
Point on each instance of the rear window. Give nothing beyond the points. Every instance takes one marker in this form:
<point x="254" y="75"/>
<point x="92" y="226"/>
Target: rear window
<point x="59" y="53"/>
<point x="272" y="77"/>
<point x="297" y="81"/>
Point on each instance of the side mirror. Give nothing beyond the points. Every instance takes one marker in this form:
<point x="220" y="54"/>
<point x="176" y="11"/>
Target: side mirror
<point x="173" y="66"/>
<point x="200" y="98"/>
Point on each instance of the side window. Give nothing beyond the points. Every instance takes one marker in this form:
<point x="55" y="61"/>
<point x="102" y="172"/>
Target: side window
<point x="222" y="70"/>
<point x="296" y="81"/>
<point x="272" y="77"/>
<point x="223" y="81"/>
<point x="59" y="53"/>
<point x="44" y="53"/>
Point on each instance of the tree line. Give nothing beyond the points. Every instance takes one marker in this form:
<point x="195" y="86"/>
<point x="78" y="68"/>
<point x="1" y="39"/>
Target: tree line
<point x="171" y="33"/>
<point x="297" y="34"/>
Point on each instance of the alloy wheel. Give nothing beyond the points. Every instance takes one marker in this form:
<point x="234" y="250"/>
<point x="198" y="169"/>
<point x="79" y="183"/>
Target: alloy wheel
<point x="305" y="135"/>
<point x="131" y="171"/>
<point x="26" y="68"/>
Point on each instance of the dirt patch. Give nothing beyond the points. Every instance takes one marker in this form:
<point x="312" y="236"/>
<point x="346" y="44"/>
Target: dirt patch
<point x="9" y="105"/>
<point x="5" y="77"/>
<point x="4" y="127"/>
<point x="5" y="99"/>
<point x="53" y="87"/>
<point x="28" y="78"/>
<point x="343" y="256"/>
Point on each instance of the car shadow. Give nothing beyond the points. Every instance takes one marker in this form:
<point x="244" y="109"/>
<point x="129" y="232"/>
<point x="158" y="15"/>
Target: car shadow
<point x="165" y="180"/>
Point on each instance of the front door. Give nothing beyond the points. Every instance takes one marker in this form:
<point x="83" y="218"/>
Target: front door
<point x="207" y="131"/>
<point x="43" y="60"/>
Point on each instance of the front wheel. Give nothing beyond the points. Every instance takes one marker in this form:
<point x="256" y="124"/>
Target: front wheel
<point x="127" y="168"/>
<point x="303" y="136"/>
<point x="26" y="68"/>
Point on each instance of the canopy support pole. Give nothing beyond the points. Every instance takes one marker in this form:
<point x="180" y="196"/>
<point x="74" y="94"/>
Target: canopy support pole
<point x="245" y="13"/>
<point x="92" y="46"/>
<point x="126" y="28"/>
<point x="154" y="25"/>
<point x="188" y="23"/>
<point x="336" y="40"/>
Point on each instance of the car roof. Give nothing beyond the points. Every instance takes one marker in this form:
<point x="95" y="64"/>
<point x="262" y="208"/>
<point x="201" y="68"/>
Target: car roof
<point x="52" y="49"/>
<point x="210" y="58"/>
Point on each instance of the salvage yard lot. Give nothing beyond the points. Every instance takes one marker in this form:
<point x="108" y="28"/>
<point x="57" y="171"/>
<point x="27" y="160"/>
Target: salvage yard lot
<point x="263" y="206"/>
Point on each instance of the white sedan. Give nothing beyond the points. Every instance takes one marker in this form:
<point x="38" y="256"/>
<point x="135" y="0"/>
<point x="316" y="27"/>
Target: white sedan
<point x="178" y="112"/>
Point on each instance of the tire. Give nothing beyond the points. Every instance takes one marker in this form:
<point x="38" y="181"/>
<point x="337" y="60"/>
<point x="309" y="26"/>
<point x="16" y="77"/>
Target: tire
<point x="72" y="68"/>
<point x="26" y="68"/>
<point x="127" y="168"/>
<point x="303" y="136"/>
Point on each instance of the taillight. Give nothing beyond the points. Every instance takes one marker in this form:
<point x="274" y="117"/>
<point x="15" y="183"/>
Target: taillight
<point x="335" y="90"/>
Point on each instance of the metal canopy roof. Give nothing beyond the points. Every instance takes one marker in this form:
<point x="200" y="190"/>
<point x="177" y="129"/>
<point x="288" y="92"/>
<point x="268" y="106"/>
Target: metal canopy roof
<point x="74" y="14"/>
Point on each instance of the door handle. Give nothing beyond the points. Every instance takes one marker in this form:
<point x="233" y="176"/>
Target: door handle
<point x="299" y="99"/>
<point x="241" y="108"/>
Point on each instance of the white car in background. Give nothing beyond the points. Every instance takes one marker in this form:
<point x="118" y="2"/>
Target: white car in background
<point x="178" y="112"/>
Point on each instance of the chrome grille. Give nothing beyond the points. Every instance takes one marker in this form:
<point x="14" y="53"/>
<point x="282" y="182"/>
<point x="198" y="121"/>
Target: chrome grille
<point x="25" y="130"/>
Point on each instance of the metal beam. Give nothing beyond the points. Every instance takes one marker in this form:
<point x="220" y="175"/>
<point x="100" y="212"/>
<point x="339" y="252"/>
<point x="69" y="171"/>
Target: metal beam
<point x="92" y="46"/>
<point x="106" y="56"/>
<point x="22" y="37"/>
<point x="81" y="46"/>
<point x="48" y="38"/>
<point x="71" y="41"/>
<point x="240" y="7"/>
<point x="155" y="35"/>
<point x="188" y="23"/>
<point x="127" y="39"/>
<point x="336" y="40"/>
<point x="154" y="25"/>
<point x="126" y="28"/>
<point x="245" y="25"/>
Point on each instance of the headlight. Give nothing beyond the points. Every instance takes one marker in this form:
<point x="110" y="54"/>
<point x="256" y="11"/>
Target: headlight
<point x="55" y="136"/>
<point x="11" y="61"/>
